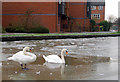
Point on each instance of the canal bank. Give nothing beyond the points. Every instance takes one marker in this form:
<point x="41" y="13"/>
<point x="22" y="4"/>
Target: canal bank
<point x="24" y="36"/>
<point x="87" y="59"/>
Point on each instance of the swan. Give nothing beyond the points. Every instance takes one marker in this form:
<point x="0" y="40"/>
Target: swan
<point x="56" y="58"/>
<point x="23" y="57"/>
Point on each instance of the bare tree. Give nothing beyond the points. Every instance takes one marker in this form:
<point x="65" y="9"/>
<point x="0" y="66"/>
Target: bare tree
<point x="111" y="18"/>
<point x="118" y="23"/>
<point x="28" y="14"/>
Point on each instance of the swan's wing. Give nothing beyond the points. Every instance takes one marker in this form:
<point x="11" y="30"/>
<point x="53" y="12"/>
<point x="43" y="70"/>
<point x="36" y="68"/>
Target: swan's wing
<point x="18" y="56"/>
<point x="15" y="56"/>
<point x="54" y="59"/>
<point x="30" y="53"/>
<point x="21" y="58"/>
<point x="32" y="56"/>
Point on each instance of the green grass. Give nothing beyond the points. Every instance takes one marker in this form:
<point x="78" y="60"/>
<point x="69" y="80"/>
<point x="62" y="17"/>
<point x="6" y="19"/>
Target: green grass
<point x="57" y="34"/>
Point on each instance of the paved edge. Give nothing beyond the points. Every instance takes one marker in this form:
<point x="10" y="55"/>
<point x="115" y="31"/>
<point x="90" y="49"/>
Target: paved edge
<point x="17" y="38"/>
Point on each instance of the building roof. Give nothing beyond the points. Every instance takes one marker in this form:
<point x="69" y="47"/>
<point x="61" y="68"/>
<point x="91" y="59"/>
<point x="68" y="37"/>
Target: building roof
<point x="52" y="0"/>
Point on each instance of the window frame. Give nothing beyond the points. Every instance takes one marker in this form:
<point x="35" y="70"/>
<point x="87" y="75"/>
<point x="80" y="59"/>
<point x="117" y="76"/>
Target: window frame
<point x="93" y="7"/>
<point x="97" y="16"/>
<point x="100" y="7"/>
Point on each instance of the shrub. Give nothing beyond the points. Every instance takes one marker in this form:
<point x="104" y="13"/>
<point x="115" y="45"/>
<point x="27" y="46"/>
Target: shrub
<point x="3" y="30"/>
<point x="18" y="29"/>
<point x="105" y="25"/>
<point x="94" y="29"/>
<point x="15" y="29"/>
<point x="92" y="24"/>
<point x="39" y="29"/>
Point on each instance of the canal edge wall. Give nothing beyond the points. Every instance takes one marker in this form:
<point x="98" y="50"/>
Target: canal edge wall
<point x="18" y="38"/>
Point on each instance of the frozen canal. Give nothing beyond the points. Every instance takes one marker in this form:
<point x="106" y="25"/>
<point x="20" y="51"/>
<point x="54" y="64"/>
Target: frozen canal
<point x="87" y="59"/>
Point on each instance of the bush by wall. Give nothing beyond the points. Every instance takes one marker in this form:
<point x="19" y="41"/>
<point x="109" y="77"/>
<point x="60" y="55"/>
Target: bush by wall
<point x="39" y="29"/>
<point x="95" y="29"/>
<point x="92" y="25"/>
<point x="2" y="30"/>
<point x="17" y="29"/>
<point x="105" y="25"/>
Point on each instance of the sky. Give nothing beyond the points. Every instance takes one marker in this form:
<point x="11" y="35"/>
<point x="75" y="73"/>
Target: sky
<point x="111" y="8"/>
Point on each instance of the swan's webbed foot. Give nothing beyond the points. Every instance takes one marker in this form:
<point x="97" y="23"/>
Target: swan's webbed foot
<point x="24" y="68"/>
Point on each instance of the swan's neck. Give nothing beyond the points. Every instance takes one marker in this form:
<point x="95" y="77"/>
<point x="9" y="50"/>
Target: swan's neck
<point x="28" y="54"/>
<point x="24" y="52"/>
<point x="62" y="57"/>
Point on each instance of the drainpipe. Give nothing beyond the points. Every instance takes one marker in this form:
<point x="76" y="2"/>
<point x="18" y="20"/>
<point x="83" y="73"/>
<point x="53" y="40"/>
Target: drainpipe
<point x="56" y="16"/>
<point x="84" y="16"/>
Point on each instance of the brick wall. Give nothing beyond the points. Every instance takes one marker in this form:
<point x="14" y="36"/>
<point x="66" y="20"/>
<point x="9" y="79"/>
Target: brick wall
<point x="77" y="10"/>
<point x="44" y="13"/>
<point x="101" y="12"/>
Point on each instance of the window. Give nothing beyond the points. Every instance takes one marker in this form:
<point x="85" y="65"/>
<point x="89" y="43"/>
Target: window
<point x="95" y="16"/>
<point x="93" y="7"/>
<point x="63" y="7"/>
<point x="87" y="8"/>
<point x="100" y="7"/>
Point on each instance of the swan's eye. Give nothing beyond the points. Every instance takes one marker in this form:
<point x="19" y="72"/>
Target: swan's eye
<point x="66" y="52"/>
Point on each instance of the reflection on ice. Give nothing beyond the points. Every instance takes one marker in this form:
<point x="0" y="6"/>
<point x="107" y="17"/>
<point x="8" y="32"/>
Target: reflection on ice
<point x="53" y="65"/>
<point x="21" y="76"/>
<point x="0" y="64"/>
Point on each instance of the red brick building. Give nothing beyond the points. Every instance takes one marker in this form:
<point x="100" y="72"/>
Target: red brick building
<point x="98" y="11"/>
<point x="64" y="17"/>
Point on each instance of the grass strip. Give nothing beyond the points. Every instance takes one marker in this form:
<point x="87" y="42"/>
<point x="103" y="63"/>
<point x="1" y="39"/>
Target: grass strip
<point x="56" y="34"/>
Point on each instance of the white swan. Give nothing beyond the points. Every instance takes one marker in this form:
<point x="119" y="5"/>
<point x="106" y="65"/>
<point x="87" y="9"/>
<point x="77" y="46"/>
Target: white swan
<point x="56" y="58"/>
<point x="23" y="57"/>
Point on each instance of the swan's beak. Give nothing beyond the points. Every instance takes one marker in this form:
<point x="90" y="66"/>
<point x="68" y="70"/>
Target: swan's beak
<point x="66" y="52"/>
<point x="30" y="50"/>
